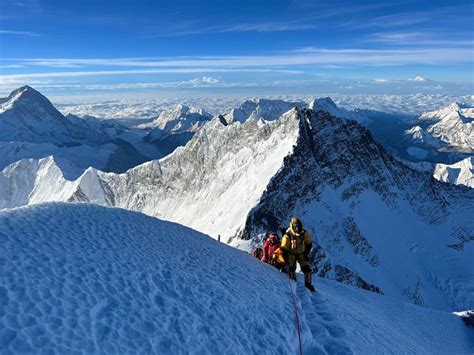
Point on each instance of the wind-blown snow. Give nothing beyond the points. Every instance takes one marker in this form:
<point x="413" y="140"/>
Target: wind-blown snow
<point x="78" y="277"/>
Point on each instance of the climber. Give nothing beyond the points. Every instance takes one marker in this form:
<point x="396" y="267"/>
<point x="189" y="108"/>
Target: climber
<point x="296" y="245"/>
<point x="257" y="253"/>
<point x="271" y="244"/>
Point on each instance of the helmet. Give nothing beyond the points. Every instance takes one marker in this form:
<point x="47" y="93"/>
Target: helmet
<point x="272" y="238"/>
<point x="296" y="226"/>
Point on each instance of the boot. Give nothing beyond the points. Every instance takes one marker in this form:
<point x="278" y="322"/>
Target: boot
<point x="292" y="275"/>
<point x="307" y="282"/>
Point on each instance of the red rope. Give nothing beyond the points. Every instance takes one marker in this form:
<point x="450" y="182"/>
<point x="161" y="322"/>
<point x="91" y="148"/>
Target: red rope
<point x="297" y="319"/>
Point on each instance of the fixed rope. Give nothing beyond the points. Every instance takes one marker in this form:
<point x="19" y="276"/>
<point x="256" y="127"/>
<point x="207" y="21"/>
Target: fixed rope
<point x="297" y="318"/>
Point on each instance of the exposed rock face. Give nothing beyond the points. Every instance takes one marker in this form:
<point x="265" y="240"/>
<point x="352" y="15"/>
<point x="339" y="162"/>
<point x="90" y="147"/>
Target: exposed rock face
<point x="357" y="200"/>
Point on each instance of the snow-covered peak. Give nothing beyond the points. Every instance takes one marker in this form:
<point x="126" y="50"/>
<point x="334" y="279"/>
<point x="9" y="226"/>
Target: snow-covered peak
<point x="453" y="124"/>
<point x="180" y="118"/>
<point x="265" y="109"/>
<point x="26" y="96"/>
<point x="419" y="136"/>
<point x="460" y="173"/>
<point x="328" y="105"/>
<point x="453" y="111"/>
<point x="322" y="103"/>
<point x="28" y="116"/>
<point x="175" y="127"/>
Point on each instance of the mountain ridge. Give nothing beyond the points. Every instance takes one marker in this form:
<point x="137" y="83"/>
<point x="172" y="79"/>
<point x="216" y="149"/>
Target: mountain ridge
<point x="242" y="179"/>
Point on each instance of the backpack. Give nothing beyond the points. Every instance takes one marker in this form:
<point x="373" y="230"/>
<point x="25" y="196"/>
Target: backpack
<point x="257" y="253"/>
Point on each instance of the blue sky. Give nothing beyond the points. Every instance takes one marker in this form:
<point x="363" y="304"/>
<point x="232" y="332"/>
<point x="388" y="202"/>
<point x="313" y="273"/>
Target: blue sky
<point x="268" y="47"/>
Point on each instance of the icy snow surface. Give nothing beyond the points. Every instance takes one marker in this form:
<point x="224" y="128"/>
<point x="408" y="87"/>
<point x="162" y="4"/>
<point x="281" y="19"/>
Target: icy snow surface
<point x="79" y="277"/>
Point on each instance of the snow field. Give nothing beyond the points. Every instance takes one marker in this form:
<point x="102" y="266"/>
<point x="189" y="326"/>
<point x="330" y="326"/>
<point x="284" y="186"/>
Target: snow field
<point x="80" y="278"/>
<point x="87" y="278"/>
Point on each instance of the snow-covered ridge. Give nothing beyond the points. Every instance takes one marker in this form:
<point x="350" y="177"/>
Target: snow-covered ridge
<point x="261" y="109"/>
<point x="241" y="179"/>
<point x="180" y="118"/>
<point x="78" y="277"/>
<point x="368" y="212"/>
<point x="453" y="125"/>
<point x="419" y="136"/>
<point x="460" y="173"/>
<point x="209" y="185"/>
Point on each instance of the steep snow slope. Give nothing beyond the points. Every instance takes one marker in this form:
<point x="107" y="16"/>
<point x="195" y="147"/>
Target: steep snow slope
<point x="460" y="173"/>
<point x="82" y="156"/>
<point x="89" y="278"/>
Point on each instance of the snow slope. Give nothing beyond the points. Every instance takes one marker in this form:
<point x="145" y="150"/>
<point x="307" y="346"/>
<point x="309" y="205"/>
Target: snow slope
<point x="84" y="278"/>
<point x="460" y="173"/>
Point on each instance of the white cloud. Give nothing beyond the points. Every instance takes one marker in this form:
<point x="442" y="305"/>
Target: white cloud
<point x="206" y="80"/>
<point x="417" y="38"/>
<point x="21" y="78"/>
<point x="302" y="57"/>
<point x="381" y="81"/>
<point x="418" y="78"/>
<point x="19" y="33"/>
